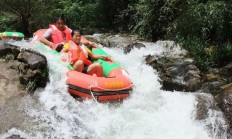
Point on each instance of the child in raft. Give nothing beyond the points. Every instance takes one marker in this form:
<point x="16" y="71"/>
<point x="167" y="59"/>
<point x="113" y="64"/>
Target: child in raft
<point x="80" y="55"/>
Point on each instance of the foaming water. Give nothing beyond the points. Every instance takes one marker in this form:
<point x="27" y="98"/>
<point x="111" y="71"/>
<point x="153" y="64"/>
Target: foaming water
<point x="148" y="113"/>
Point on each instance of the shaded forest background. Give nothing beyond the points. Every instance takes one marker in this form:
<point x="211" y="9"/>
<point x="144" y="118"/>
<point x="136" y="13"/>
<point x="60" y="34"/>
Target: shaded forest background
<point x="203" y="27"/>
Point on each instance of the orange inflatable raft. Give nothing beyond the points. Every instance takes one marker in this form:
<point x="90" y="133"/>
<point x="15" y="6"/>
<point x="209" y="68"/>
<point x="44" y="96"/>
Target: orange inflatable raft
<point x="115" y="85"/>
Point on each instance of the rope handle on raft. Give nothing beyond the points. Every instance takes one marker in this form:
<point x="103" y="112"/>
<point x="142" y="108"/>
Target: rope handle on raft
<point x="93" y="95"/>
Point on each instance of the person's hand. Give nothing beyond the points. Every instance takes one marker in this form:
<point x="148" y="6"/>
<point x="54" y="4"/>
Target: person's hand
<point x="107" y="58"/>
<point x="86" y="43"/>
<point x="51" y="45"/>
<point x="89" y="44"/>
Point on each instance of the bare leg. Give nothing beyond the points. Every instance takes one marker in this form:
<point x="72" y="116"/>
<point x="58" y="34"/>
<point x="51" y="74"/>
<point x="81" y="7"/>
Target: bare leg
<point x="78" y="65"/>
<point x="95" y="68"/>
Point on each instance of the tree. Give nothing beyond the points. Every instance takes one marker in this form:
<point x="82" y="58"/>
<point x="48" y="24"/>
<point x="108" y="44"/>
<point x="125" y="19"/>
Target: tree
<point x="152" y="19"/>
<point x="25" y="10"/>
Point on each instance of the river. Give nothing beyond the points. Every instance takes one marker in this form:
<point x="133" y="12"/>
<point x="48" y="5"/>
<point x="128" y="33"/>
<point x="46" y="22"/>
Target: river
<point x="149" y="112"/>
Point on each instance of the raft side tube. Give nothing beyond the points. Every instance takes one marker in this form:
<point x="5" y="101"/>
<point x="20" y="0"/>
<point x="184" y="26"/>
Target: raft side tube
<point x="99" y="96"/>
<point x="12" y="35"/>
<point x="98" y="84"/>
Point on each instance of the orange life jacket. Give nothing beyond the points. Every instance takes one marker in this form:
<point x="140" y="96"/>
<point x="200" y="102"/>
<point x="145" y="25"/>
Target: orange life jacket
<point x="76" y="53"/>
<point x="57" y="35"/>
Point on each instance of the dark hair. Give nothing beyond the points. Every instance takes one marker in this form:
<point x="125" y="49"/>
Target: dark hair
<point x="59" y="47"/>
<point x="61" y="17"/>
<point x="75" y="31"/>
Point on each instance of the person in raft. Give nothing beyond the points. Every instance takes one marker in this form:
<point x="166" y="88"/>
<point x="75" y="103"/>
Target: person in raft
<point x="80" y="54"/>
<point x="57" y="35"/>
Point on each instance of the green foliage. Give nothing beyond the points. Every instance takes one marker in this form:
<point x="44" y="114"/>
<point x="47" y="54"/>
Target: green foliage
<point x="152" y="18"/>
<point x="9" y="23"/>
<point x="223" y="54"/>
<point x="207" y="55"/>
<point x="206" y="26"/>
<point x="209" y="21"/>
<point x="9" y="57"/>
<point x="227" y="80"/>
<point x="84" y="14"/>
<point x="28" y="14"/>
<point x="79" y="14"/>
<point x="30" y="86"/>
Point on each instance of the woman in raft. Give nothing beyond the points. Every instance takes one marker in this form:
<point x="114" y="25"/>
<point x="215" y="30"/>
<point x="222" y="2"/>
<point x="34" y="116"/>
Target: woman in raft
<point x="57" y="34"/>
<point x="80" y="54"/>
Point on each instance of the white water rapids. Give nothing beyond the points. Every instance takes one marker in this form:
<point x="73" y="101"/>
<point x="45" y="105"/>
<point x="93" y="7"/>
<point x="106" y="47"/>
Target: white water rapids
<point x="149" y="112"/>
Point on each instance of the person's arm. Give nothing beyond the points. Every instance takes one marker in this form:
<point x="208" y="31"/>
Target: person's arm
<point x="95" y="56"/>
<point x="89" y="45"/>
<point x="47" y="42"/>
<point x="44" y="38"/>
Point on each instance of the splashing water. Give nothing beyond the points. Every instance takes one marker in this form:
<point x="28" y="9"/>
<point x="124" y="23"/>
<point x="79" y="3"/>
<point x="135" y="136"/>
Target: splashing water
<point x="148" y="113"/>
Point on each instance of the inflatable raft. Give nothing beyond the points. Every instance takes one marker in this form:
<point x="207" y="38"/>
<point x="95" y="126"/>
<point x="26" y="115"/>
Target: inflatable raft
<point x="12" y="35"/>
<point x="115" y="85"/>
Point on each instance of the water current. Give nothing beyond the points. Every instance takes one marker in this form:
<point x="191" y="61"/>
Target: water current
<point x="149" y="112"/>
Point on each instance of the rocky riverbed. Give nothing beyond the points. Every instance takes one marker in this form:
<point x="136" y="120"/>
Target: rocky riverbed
<point x="22" y="71"/>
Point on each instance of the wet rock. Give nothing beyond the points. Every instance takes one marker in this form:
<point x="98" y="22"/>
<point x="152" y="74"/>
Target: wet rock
<point x="207" y="107"/>
<point x="128" y="48"/>
<point x="228" y="68"/>
<point x="202" y="108"/>
<point x="14" y="137"/>
<point x="7" y="52"/>
<point x="113" y="41"/>
<point x="172" y="50"/>
<point x="33" y="59"/>
<point x="9" y="82"/>
<point x="91" y="31"/>
<point x="92" y="39"/>
<point x="122" y="40"/>
<point x="33" y="69"/>
<point x="176" y="74"/>
<point x="169" y="85"/>
<point x="11" y="94"/>
<point x="212" y="77"/>
<point x="224" y="100"/>
<point x="215" y="78"/>
<point x="223" y="71"/>
<point x="30" y="67"/>
<point x="210" y="86"/>
<point x="22" y="71"/>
